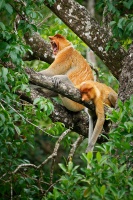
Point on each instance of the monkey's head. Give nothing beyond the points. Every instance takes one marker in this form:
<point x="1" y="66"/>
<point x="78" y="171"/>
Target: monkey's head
<point x="87" y="90"/>
<point x="58" y="43"/>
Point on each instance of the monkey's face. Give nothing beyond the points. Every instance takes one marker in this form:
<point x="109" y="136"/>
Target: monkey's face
<point x="54" y="44"/>
<point x="86" y="90"/>
<point x="58" y="43"/>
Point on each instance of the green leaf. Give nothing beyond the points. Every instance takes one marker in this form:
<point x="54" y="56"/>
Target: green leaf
<point x="62" y="166"/>
<point x="13" y="56"/>
<point x="87" y="192"/>
<point x="89" y="156"/>
<point x="116" y="45"/>
<point x="129" y="27"/>
<point x="3" y="45"/>
<point x="128" y="4"/>
<point x="98" y="156"/>
<point x="56" y="193"/>
<point x="36" y="101"/>
<point x="9" y="8"/>
<point x="70" y="166"/>
<point x="121" y="22"/>
<point x="2" y="117"/>
<point x="102" y="190"/>
<point x="112" y="23"/>
<point x="34" y="27"/>
<point x="4" y="72"/>
<point x="128" y="125"/>
<point x="122" y="168"/>
<point x="2" y="3"/>
<point x="2" y="26"/>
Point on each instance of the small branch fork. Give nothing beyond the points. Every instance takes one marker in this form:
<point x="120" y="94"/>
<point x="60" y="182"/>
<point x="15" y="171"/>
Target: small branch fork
<point x="52" y="157"/>
<point x="75" y="146"/>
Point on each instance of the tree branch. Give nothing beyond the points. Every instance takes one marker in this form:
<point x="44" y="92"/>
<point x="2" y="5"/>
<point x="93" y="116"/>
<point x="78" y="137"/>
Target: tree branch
<point x="78" y="19"/>
<point x="78" y="121"/>
<point x="41" y="49"/>
<point x="63" y="89"/>
<point x="126" y="77"/>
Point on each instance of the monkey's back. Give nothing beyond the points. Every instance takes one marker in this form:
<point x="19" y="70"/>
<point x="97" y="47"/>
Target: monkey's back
<point x="105" y="92"/>
<point x="80" y="70"/>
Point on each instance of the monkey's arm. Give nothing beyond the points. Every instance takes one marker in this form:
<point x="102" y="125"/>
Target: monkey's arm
<point x="61" y="64"/>
<point x="99" y="125"/>
<point x="90" y="124"/>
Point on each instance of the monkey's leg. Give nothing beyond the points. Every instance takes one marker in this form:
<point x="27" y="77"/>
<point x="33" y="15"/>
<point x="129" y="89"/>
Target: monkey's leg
<point x="90" y="124"/>
<point x="69" y="104"/>
<point x="113" y="98"/>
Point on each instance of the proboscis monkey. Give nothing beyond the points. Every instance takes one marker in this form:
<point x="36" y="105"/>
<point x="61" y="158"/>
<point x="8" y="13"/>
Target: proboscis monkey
<point x="101" y="95"/>
<point x="69" y="66"/>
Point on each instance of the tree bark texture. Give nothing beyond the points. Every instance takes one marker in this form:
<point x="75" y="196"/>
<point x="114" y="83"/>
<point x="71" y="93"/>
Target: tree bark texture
<point x="119" y="62"/>
<point x="78" y="19"/>
<point x="77" y="121"/>
<point x="40" y="48"/>
<point x="126" y="76"/>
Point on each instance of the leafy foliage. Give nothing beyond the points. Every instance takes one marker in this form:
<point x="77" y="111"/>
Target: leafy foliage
<point x="121" y="22"/>
<point x="24" y="126"/>
<point x="110" y="174"/>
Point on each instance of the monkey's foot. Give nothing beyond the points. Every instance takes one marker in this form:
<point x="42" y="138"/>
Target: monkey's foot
<point x="56" y="80"/>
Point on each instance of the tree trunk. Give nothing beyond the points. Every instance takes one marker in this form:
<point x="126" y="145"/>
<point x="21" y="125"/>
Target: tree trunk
<point x="126" y="76"/>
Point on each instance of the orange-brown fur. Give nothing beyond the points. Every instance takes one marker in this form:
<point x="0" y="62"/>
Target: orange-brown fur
<point x="68" y="62"/>
<point x="100" y="94"/>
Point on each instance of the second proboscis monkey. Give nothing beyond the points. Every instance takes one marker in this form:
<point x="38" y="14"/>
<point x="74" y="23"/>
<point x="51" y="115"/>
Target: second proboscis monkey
<point x="101" y="95"/>
<point x="69" y="66"/>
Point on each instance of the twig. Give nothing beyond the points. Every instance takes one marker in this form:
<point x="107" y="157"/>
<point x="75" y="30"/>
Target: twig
<point x="52" y="170"/>
<point x="54" y="154"/>
<point x="2" y="106"/>
<point x="75" y="146"/>
<point x="11" y="190"/>
<point x="24" y="165"/>
<point x="39" y="24"/>
<point x="28" y="120"/>
<point x="51" y="186"/>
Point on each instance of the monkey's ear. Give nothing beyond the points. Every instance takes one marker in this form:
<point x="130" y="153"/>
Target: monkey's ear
<point x="86" y="87"/>
<point x="50" y="37"/>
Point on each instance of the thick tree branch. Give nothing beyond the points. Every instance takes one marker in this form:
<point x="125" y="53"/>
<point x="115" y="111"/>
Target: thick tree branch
<point x="41" y="49"/>
<point x="61" y="88"/>
<point x="77" y="121"/>
<point x="126" y="77"/>
<point x="78" y="19"/>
